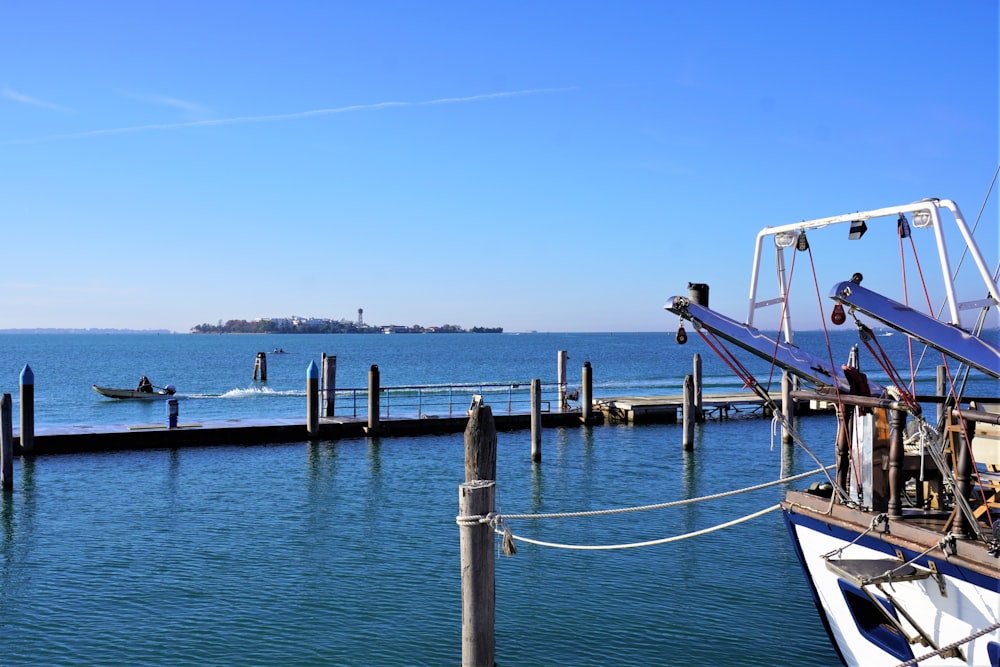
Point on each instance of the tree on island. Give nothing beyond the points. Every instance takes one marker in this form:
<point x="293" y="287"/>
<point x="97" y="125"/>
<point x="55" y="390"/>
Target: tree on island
<point x="301" y="325"/>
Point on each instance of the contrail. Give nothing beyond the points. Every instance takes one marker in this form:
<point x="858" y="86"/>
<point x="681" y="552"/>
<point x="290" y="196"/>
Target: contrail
<point x="286" y="116"/>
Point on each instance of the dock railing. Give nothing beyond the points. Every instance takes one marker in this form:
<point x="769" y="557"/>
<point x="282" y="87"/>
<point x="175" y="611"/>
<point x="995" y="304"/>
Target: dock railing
<point x="444" y="400"/>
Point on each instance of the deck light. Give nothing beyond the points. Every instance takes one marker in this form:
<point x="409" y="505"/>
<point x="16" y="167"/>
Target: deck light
<point x="784" y="239"/>
<point x="903" y="227"/>
<point x="858" y="229"/>
<point x="922" y="219"/>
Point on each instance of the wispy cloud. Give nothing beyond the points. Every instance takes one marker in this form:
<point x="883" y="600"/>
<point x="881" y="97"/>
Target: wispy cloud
<point x="21" y="98"/>
<point x="168" y="101"/>
<point x="289" y="116"/>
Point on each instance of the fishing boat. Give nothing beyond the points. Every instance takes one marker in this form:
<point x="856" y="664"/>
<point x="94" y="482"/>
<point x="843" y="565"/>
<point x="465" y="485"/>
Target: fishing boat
<point x="901" y="544"/>
<point x="155" y="393"/>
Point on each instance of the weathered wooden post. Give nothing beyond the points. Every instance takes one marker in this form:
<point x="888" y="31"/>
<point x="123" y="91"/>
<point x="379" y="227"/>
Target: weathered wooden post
<point x="698" y="411"/>
<point x="476" y="500"/>
<point x="787" y="407"/>
<point x="6" y="443"/>
<point x="561" y="378"/>
<point x="536" y="420"/>
<point x="260" y="367"/>
<point x="27" y="410"/>
<point x="586" y="394"/>
<point x="312" y="400"/>
<point x="329" y="384"/>
<point x="373" y="400"/>
<point x="687" y="410"/>
<point x="480" y="443"/>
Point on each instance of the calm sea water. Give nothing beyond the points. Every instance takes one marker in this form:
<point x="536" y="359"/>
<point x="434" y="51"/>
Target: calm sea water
<point x="346" y="552"/>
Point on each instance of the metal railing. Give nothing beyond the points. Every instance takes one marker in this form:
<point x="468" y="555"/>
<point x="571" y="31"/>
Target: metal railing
<point x="445" y="400"/>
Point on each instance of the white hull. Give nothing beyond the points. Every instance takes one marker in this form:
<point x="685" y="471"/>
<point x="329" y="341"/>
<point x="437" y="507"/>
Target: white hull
<point x="111" y="392"/>
<point x="948" y="608"/>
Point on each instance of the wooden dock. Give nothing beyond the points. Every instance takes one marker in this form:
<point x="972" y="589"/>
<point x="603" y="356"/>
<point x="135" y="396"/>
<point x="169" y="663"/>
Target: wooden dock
<point x="667" y="409"/>
<point x="120" y="437"/>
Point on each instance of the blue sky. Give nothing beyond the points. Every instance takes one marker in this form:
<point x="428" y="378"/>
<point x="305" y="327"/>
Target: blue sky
<point x="551" y="166"/>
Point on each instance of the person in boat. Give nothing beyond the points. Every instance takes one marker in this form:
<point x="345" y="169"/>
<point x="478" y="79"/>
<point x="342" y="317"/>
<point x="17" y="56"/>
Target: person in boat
<point x="145" y="386"/>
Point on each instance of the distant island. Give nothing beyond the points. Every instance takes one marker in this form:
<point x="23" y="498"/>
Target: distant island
<point x="299" y="325"/>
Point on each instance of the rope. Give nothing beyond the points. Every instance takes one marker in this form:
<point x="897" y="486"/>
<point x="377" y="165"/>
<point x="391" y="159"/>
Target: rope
<point x="508" y="535"/>
<point x="499" y="522"/>
<point x="950" y="647"/>
<point x="674" y="503"/>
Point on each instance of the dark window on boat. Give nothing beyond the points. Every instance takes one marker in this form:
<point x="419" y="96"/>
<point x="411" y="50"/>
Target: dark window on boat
<point x="993" y="651"/>
<point x="873" y="624"/>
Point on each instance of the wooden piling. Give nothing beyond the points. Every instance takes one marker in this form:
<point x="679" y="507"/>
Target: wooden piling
<point x="312" y="400"/>
<point x="536" y="420"/>
<point x="329" y="384"/>
<point x="373" y="399"/>
<point x="477" y="498"/>
<point x="6" y="443"/>
<point x="687" y="410"/>
<point x="480" y="443"/>
<point x="586" y="394"/>
<point x="787" y="407"/>
<point x="260" y="367"/>
<point x="561" y="378"/>
<point x="699" y="412"/>
<point x="27" y="410"/>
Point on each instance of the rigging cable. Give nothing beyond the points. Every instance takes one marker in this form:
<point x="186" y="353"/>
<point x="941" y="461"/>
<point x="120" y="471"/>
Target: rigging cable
<point x="750" y="382"/>
<point x="852" y="457"/>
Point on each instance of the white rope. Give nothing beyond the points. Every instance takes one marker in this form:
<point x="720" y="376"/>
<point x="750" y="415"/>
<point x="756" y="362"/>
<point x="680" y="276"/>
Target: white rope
<point x="634" y="545"/>
<point x="674" y="503"/>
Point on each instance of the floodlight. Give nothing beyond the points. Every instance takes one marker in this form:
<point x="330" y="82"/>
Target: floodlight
<point x="784" y="239"/>
<point x="858" y="229"/>
<point x="922" y="219"/>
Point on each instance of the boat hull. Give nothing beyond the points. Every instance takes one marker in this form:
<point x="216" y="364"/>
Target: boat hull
<point x="111" y="392"/>
<point x="948" y="600"/>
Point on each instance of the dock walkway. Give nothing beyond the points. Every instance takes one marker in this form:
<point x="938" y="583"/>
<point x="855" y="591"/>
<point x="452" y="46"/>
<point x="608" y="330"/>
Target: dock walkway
<point x="666" y="409"/>
<point x="119" y="437"/>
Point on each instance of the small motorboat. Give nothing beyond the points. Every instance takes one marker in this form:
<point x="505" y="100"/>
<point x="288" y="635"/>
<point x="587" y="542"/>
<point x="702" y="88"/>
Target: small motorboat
<point x="156" y="393"/>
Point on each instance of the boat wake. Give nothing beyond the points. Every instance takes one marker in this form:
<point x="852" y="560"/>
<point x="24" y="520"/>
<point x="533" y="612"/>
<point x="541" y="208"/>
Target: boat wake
<point x="249" y="392"/>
